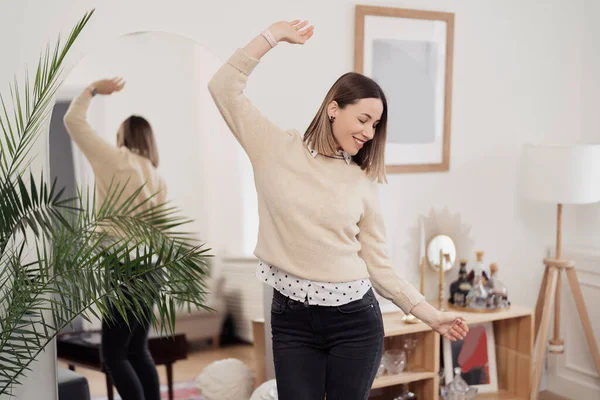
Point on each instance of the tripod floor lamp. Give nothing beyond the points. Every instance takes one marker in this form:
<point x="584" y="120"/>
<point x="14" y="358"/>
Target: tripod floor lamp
<point x="568" y="174"/>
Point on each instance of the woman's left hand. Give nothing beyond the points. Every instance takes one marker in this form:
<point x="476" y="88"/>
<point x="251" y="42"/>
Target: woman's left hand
<point x="108" y="86"/>
<point x="451" y="326"/>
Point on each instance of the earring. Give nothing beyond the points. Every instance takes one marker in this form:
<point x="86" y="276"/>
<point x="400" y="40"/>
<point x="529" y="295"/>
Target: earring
<point x="331" y="118"/>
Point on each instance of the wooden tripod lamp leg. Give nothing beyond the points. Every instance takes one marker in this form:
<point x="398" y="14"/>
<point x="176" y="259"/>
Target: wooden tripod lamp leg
<point x="540" y="348"/>
<point x="557" y="344"/>
<point x="584" y="316"/>
<point x="539" y="305"/>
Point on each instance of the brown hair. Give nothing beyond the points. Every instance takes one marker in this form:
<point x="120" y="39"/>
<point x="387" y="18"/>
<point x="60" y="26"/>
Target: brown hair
<point x="349" y="89"/>
<point x="139" y="138"/>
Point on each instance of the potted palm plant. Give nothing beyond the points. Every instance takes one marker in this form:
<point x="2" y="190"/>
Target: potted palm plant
<point x="55" y="262"/>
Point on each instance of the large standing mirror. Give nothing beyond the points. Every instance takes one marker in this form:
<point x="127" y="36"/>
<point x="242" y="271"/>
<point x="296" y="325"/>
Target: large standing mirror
<point x="166" y="79"/>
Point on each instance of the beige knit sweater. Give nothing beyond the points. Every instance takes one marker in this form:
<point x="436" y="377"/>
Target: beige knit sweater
<point x="111" y="164"/>
<point x="319" y="218"/>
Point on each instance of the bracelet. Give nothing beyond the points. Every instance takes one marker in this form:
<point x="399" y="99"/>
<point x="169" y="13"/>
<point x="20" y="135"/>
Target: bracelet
<point x="268" y="35"/>
<point x="94" y="92"/>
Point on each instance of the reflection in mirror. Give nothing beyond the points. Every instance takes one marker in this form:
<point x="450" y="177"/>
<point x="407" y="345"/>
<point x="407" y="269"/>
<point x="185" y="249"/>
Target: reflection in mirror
<point x="166" y="77"/>
<point x="441" y="244"/>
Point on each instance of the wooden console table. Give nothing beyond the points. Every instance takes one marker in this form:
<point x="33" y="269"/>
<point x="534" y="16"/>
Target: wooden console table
<point x="514" y="337"/>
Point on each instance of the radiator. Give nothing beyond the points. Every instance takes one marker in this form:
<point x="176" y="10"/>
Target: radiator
<point x="243" y="294"/>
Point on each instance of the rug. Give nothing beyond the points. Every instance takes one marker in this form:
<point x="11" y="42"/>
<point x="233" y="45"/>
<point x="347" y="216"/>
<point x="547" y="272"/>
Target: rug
<point x="181" y="391"/>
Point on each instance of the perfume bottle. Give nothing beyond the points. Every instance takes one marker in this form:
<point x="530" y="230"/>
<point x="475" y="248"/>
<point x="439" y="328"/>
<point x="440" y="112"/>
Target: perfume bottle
<point x="478" y="295"/>
<point x="460" y="288"/>
<point x="479" y="266"/>
<point x="458" y="389"/>
<point x="497" y="291"/>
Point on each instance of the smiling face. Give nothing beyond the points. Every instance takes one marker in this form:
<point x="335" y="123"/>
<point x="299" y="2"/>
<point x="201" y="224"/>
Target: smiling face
<point x="352" y="117"/>
<point x="354" y="125"/>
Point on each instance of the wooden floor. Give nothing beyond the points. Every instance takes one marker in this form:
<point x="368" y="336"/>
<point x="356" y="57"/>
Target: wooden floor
<point x="551" y="396"/>
<point x="189" y="369"/>
<point x="184" y="370"/>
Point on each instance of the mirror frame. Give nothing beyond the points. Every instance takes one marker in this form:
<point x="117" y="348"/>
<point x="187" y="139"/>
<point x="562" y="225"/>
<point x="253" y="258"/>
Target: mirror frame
<point x="447" y="265"/>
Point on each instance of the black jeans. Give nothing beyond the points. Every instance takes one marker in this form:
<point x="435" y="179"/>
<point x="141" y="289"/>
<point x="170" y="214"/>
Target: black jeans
<point x="321" y="350"/>
<point x="126" y="356"/>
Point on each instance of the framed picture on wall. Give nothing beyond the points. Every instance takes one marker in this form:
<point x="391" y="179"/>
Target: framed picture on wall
<point x="409" y="53"/>
<point x="475" y="356"/>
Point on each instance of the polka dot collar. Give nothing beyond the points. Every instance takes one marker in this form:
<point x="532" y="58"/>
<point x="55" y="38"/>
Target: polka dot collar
<point x="314" y="153"/>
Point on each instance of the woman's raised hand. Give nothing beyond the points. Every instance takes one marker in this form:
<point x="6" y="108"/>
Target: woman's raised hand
<point x="295" y="32"/>
<point x="108" y="86"/>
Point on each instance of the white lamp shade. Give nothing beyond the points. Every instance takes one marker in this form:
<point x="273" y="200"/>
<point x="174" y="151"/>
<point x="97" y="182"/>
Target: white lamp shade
<point x="568" y="174"/>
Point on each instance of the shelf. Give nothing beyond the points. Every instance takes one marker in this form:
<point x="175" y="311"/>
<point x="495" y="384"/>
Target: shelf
<point x="501" y="395"/>
<point x="513" y="331"/>
<point x="404" y="377"/>
<point x="515" y="311"/>
<point x="394" y="325"/>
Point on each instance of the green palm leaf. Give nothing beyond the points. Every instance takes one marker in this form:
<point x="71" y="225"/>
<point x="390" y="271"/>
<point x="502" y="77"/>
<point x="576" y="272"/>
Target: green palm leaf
<point x="89" y="269"/>
<point x="61" y="258"/>
<point x="36" y="207"/>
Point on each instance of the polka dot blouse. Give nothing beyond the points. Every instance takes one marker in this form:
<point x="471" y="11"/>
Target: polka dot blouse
<point x="316" y="293"/>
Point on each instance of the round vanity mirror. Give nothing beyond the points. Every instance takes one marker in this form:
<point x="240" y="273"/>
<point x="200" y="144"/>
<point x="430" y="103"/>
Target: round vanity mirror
<point x="441" y="244"/>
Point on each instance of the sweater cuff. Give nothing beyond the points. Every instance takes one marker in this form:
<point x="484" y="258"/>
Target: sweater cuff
<point x="243" y="62"/>
<point x="409" y="298"/>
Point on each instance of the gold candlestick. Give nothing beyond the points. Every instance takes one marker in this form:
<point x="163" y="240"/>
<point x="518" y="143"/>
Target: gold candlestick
<point x="441" y="266"/>
<point x="422" y="267"/>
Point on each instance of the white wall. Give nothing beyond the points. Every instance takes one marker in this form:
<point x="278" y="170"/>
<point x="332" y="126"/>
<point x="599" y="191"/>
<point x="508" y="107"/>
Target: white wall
<point x="573" y="374"/>
<point x="588" y="216"/>
<point x="517" y="69"/>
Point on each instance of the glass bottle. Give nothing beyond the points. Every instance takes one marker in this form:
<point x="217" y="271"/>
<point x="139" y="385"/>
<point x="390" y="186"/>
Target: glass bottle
<point x="497" y="291"/>
<point x="459" y="289"/>
<point x="478" y="296"/>
<point x="406" y="394"/>
<point x="479" y="266"/>
<point x="458" y="389"/>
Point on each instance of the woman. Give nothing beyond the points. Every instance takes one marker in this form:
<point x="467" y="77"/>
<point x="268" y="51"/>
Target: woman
<point x="131" y="163"/>
<point x="321" y="241"/>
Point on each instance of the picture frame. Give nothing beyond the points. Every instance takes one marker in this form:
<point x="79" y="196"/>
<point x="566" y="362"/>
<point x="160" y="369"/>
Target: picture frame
<point x="476" y="355"/>
<point x="410" y="54"/>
